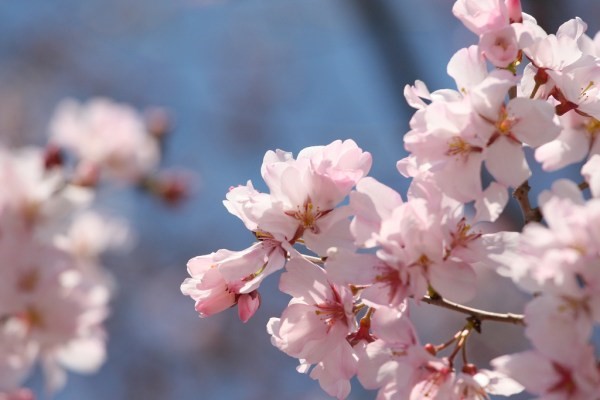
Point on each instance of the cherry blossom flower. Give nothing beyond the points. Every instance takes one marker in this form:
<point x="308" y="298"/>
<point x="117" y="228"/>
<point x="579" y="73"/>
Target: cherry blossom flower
<point x="506" y="127"/>
<point x="19" y="394"/>
<point x="335" y="371"/>
<point x="576" y="141"/>
<point x="379" y="253"/>
<point x="480" y="16"/>
<point x="61" y="310"/>
<point x="591" y="173"/>
<point x="108" y="135"/>
<point x="576" y="377"/>
<point x="17" y="356"/>
<point x="500" y="46"/>
<point x="319" y="316"/>
<point x="305" y="191"/>
<point x="515" y="13"/>
<point x="213" y="293"/>
<point x="39" y="198"/>
<point x="577" y="90"/>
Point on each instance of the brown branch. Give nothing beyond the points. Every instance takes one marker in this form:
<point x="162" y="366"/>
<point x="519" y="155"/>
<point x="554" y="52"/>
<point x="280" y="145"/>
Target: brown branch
<point x="312" y="259"/>
<point x="474" y="313"/>
<point x="521" y="194"/>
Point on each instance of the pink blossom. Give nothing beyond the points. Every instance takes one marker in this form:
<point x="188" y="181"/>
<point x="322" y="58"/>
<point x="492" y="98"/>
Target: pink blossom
<point x="550" y="55"/>
<point x="448" y="142"/>
<point x="385" y="363"/>
<point x="306" y="190"/>
<point x="576" y="140"/>
<point x="574" y="378"/>
<point x="319" y="316"/>
<point x="500" y="46"/>
<point x="476" y="386"/>
<point x="552" y="258"/>
<point x="507" y="127"/>
<point x="570" y="318"/>
<point x="248" y="304"/>
<point x="413" y="236"/>
<point x="35" y="269"/>
<point x="371" y="203"/>
<point x="443" y="141"/>
<point x="387" y="284"/>
<point x="323" y="174"/>
<point x="304" y="193"/>
<point x="247" y="204"/>
<point x="19" y="394"/>
<point x="480" y="16"/>
<point x="91" y="234"/>
<point x="515" y="13"/>
<point x="106" y="134"/>
<point x="467" y="67"/>
<point x="335" y="371"/>
<point x="423" y="242"/>
<point x="591" y="173"/>
<point x="245" y="270"/>
<point x="577" y="90"/>
<point x="38" y="198"/>
<point x="17" y="355"/>
<point x="60" y="308"/>
<point x="214" y="293"/>
<point x="416" y="94"/>
<point x="207" y="286"/>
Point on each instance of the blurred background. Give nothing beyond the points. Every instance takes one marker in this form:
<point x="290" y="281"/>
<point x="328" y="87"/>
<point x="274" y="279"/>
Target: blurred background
<point x="239" y="77"/>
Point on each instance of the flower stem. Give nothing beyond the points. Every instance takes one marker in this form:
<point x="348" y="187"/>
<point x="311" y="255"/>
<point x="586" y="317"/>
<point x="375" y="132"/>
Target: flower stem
<point x="313" y="259"/>
<point x="522" y="195"/>
<point x="476" y="315"/>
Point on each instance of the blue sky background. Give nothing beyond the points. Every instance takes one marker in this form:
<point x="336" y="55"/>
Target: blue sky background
<point x="239" y="77"/>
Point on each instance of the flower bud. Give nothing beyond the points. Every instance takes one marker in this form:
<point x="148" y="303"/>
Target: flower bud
<point x="515" y="13"/>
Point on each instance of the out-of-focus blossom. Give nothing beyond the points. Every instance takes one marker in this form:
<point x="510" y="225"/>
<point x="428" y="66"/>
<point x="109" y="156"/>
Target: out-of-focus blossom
<point x="60" y="308"/>
<point x="107" y="135"/>
<point x="19" y="394"/>
<point x="38" y="198"/>
<point x="213" y="293"/>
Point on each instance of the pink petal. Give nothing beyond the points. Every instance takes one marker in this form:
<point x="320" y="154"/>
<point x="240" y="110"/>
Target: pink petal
<point x="506" y="162"/>
<point x="247" y="305"/>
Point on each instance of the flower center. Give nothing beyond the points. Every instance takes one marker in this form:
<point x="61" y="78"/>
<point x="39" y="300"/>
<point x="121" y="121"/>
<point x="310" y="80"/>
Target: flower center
<point x="28" y="281"/>
<point x="462" y="236"/>
<point x="504" y="124"/>
<point x="458" y="146"/>
<point x="332" y="310"/>
<point x="307" y="215"/>
<point x="565" y="383"/>
<point x="33" y="318"/>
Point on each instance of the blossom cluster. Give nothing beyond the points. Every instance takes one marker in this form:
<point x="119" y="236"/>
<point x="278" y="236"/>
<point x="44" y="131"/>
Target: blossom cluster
<point x="54" y="289"/>
<point x="374" y="254"/>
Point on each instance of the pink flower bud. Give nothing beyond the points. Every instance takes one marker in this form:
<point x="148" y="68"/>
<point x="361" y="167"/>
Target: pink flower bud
<point x="470" y="369"/>
<point x="515" y="13"/>
<point x="430" y="349"/>
<point x="247" y="305"/>
<point x="53" y="157"/>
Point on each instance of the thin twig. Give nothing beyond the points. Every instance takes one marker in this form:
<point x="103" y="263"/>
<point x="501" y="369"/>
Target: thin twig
<point x="521" y="194"/>
<point x="478" y="315"/>
<point x="316" y="260"/>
